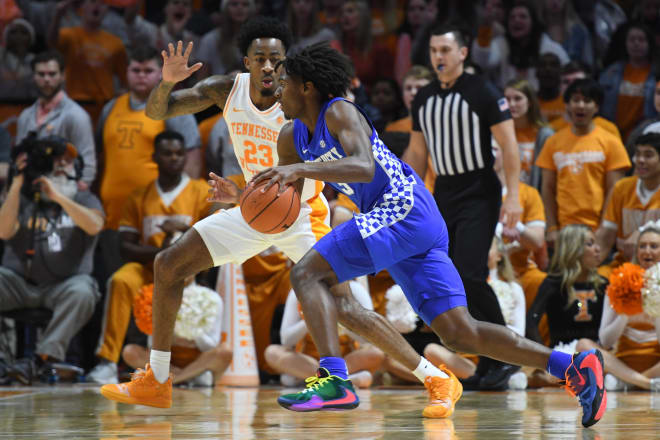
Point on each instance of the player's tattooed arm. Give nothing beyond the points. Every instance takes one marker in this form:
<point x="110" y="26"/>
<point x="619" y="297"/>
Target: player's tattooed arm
<point x="163" y="104"/>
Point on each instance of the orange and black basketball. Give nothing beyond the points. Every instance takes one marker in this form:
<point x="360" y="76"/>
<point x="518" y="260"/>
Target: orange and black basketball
<point x="266" y="212"/>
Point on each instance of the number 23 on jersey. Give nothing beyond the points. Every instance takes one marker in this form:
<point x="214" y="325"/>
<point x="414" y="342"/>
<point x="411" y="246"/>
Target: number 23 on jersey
<point x="261" y="154"/>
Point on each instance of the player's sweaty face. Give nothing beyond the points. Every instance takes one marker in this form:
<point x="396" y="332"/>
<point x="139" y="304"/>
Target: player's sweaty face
<point x="263" y="54"/>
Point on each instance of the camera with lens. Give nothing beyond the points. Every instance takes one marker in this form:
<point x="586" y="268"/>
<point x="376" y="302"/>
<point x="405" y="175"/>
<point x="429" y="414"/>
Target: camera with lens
<point x="41" y="154"/>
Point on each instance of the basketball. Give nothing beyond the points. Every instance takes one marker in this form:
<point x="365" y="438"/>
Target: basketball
<point x="267" y="213"/>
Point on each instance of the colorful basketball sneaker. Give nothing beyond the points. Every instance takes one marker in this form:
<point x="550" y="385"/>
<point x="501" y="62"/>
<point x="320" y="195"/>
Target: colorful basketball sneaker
<point x="143" y="389"/>
<point x="323" y="392"/>
<point x="443" y="394"/>
<point x="584" y="379"/>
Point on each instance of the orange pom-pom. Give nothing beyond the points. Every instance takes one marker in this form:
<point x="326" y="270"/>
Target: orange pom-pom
<point x="625" y="289"/>
<point x="142" y="309"/>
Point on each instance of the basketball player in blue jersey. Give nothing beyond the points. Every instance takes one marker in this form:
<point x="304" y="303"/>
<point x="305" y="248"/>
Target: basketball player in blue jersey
<point x="399" y="229"/>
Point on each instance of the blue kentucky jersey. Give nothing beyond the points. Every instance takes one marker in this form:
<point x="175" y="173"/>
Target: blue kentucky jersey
<point x="392" y="178"/>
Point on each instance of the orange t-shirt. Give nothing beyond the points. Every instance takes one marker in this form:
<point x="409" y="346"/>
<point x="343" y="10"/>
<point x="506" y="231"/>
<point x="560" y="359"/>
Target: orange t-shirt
<point x="581" y="164"/>
<point x="630" y="104"/>
<point x="128" y="146"/>
<point x="626" y="211"/>
<point x="526" y="138"/>
<point x="561" y="123"/>
<point x="553" y="109"/>
<point x="92" y="59"/>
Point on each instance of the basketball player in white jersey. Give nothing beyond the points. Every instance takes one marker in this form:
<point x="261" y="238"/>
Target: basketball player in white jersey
<point x="254" y="119"/>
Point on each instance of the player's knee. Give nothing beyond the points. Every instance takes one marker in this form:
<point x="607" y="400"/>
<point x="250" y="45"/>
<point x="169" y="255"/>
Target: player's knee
<point x="301" y="275"/>
<point x="166" y="267"/>
<point x="272" y="355"/>
<point x="132" y="354"/>
<point x="463" y="336"/>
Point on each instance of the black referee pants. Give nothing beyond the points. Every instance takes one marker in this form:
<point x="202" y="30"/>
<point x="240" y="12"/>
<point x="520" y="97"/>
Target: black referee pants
<point x="470" y="204"/>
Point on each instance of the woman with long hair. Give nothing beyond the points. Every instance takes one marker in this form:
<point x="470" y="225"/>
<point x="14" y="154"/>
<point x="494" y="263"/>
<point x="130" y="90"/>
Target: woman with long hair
<point x="565" y="27"/>
<point x="629" y="81"/>
<point x="302" y="17"/>
<point x="572" y="294"/>
<point x="370" y="59"/>
<point x="218" y="49"/>
<point x="515" y="54"/>
<point x="531" y="129"/>
<point x="629" y="344"/>
<point x="417" y="17"/>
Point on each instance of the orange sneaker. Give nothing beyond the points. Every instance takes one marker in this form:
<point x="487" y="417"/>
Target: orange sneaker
<point x="143" y="389"/>
<point x="443" y="394"/>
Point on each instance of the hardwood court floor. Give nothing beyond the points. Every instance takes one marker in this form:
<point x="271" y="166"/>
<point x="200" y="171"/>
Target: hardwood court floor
<point x="80" y="412"/>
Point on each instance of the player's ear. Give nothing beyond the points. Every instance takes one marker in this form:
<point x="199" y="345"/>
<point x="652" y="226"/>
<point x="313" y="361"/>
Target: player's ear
<point x="246" y="63"/>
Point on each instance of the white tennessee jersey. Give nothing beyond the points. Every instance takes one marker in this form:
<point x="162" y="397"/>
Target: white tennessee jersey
<point x="254" y="132"/>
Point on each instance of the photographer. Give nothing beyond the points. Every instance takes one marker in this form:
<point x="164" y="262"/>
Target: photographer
<point x="50" y="230"/>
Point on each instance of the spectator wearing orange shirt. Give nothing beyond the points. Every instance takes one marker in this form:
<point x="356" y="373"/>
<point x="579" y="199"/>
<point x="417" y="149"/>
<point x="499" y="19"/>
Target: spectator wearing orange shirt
<point x="94" y="58"/>
<point x="629" y="83"/>
<point x="569" y="73"/>
<point x="531" y="131"/>
<point x="581" y="164"/>
<point x="548" y="74"/>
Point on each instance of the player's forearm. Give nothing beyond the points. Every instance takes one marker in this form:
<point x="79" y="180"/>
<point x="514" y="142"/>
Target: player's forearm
<point x="346" y="170"/>
<point x="86" y="219"/>
<point x="139" y="253"/>
<point x="159" y="101"/>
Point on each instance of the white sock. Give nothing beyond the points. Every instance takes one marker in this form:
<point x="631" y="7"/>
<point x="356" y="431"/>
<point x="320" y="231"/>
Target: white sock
<point x="160" y="364"/>
<point x="425" y="368"/>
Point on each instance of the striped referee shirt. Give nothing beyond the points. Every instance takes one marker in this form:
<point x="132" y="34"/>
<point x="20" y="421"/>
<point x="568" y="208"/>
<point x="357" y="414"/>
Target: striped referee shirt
<point x="456" y="123"/>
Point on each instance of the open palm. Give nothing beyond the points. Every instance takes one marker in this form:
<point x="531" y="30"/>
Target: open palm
<point x="175" y="63"/>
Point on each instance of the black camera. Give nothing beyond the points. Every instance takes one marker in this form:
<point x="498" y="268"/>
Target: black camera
<point x="41" y="154"/>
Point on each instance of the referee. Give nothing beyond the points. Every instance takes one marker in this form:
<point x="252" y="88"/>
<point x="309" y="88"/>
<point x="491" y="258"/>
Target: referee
<point x="454" y="119"/>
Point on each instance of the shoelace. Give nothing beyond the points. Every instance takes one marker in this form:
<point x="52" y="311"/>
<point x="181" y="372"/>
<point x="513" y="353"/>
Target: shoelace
<point x="314" y="382"/>
<point x="138" y="375"/>
<point x="439" y="391"/>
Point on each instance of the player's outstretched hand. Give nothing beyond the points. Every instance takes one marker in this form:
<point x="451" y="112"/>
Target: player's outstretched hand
<point x="222" y="190"/>
<point x="283" y="175"/>
<point x="175" y="63"/>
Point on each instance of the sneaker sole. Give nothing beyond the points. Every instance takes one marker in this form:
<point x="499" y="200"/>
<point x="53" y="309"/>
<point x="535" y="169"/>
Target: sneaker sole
<point x="301" y="408"/>
<point x="118" y="397"/>
<point x="602" y="404"/>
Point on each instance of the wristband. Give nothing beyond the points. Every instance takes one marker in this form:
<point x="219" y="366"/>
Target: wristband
<point x="520" y="227"/>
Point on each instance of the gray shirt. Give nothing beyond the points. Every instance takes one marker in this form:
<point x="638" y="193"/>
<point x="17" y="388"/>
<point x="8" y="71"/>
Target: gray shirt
<point x="220" y="155"/>
<point x="61" y="249"/>
<point x="184" y="124"/>
<point x="68" y="120"/>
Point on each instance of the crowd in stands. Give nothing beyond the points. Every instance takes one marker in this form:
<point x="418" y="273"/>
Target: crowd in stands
<point x="580" y="77"/>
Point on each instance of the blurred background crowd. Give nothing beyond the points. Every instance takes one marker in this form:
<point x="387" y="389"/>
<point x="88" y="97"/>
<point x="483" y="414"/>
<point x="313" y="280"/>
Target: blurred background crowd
<point x="77" y="74"/>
